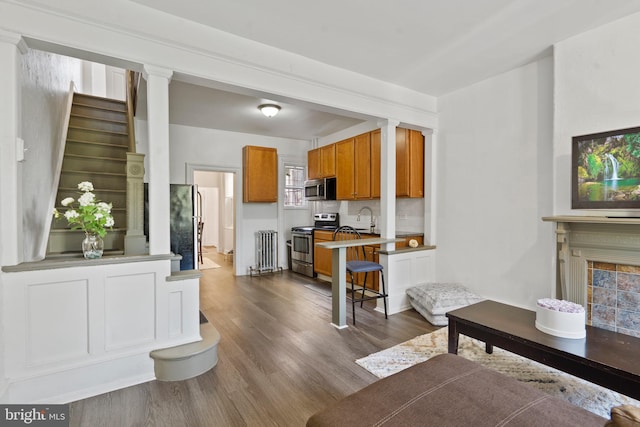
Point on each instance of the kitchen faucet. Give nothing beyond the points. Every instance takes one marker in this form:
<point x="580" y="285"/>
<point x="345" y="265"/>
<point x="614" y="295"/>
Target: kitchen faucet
<point x="372" y="224"/>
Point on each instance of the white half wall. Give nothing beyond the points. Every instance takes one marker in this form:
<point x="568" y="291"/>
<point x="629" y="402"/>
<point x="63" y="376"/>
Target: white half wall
<point x="596" y="90"/>
<point x="494" y="184"/>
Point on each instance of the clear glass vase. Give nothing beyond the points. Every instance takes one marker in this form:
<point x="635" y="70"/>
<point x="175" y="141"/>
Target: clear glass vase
<point x="92" y="246"/>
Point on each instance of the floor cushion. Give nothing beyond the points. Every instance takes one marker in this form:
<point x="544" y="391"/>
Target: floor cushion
<point x="434" y="300"/>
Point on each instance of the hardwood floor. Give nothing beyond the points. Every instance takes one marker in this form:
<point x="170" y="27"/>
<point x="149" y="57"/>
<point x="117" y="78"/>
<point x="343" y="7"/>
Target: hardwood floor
<point x="280" y="359"/>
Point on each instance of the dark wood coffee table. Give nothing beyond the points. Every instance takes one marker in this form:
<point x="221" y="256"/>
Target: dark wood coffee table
<point x="607" y="358"/>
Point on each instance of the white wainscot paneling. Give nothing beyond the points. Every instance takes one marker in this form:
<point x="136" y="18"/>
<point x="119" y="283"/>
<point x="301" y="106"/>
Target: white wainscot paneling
<point x="175" y="314"/>
<point x="404" y="270"/>
<point x="56" y="322"/>
<point x="88" y="329"/>
<point x="130" y="310"/>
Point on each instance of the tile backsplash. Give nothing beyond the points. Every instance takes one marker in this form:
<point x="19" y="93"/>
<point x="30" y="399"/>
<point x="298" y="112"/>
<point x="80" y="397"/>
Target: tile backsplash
<point x="613" y="297"/>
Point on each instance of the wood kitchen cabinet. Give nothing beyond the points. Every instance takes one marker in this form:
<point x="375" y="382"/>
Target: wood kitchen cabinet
<point x="322" y="260"/>
<point x="409" y="163"/>
<point x="375" y="164"/>
<point x="321" y="162"/>
<point x="353" y="168"/>
<point x="260" y="174"/>
<point x="314" y="166"/>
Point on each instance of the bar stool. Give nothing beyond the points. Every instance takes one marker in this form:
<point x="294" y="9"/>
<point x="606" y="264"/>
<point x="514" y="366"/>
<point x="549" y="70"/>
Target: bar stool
<point x="357" y="263"/>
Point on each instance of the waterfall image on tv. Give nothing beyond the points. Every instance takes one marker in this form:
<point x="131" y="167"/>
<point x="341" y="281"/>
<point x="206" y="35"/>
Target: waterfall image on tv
<point x="606" y="170"/>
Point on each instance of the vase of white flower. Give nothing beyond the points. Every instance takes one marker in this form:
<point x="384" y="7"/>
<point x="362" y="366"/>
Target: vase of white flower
<point x="92" y="246"/>
<point x="91" y="216"/>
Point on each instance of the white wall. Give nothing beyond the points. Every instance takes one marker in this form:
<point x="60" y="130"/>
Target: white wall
<point x="222" y="150"/>
<point x="46" y="80"/>
<point x="597" y="88"/>
<point x="494" y="185"/>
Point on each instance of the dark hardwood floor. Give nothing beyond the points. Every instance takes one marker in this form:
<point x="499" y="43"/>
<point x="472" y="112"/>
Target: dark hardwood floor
<point x="280" y="360"/>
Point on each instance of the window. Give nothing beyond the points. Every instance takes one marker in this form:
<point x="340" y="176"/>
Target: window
<point x="294" y="186"/>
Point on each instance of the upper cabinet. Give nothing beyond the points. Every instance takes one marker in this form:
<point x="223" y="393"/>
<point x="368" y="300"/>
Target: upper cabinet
<point x="353" y="168"/>
<point x="355" y="162"/>
<point x="321" y="162"/>
<point x="375" y="164"/>
<point x="260" y="174"/>
<point x="409" y="163"/>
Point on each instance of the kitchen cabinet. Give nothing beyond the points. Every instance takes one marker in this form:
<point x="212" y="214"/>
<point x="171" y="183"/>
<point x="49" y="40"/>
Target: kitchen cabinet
<point x="314" y="165"/>
<point x="375" y="164"/>
<point x="353" y="168"/>
<point x="322" y="256"/>
<point x="321" y="162"/>
<point x="355" y="162"/>
<point x="409" y="163"/>
<point x="260" y="174"/>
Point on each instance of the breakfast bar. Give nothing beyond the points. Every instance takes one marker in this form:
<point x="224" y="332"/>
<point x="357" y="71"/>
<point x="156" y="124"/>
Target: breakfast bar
<point x="338" y="276"/>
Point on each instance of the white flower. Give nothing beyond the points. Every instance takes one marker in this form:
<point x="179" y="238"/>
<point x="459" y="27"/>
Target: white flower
<point x="104" y="206"/>
<point x="85" y="186"/>
<point x="71" y="214"/>
<point x="90" y="215"/>
<point x="67" y="201"/>
<point x="86" y="199"/>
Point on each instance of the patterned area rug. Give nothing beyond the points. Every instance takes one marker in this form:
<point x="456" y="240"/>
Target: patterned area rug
<point x="575" y="390"/>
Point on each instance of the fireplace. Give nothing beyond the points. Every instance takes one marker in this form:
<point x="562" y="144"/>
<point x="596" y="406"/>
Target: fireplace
<point x="598" y="261"/>
<point x="613" y="297"/>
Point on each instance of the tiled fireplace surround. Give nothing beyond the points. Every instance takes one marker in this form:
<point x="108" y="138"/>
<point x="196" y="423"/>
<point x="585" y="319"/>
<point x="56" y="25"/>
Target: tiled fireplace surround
<point x="599" y="267"/>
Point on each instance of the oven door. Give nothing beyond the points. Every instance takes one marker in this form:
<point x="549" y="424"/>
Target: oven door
<point x="302" y="247"/>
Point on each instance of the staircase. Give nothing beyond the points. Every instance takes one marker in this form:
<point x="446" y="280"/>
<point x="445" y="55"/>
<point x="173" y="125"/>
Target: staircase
<point x="96" y="151"/>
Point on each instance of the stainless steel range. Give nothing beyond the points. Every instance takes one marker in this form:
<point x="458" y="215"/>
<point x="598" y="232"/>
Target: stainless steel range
<point x="302" y="242"/>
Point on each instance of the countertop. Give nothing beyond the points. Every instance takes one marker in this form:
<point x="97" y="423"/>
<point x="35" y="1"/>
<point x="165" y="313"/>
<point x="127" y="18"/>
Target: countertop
<point x="376" y="233"/>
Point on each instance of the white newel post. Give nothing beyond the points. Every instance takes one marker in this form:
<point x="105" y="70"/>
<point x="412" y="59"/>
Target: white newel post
<point x="135" y="241"/>
<point x="158" y="130"/>
<point x="12" y="46"/>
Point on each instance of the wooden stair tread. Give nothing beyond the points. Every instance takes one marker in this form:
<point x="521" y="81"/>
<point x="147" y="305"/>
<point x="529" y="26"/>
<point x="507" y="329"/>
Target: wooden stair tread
<point x="93" y="172"/>
<point x="98" y="130"/>
<point x="100" y="119"/>
<point x="99" y="190"/>
<point x="84" y="156"/>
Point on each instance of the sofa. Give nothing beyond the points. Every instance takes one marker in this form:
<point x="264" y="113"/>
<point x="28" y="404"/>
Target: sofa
<point x="448" y="390"/>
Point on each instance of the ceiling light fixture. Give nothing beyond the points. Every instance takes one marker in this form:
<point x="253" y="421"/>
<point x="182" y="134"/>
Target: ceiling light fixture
<point x="269" y="110"/>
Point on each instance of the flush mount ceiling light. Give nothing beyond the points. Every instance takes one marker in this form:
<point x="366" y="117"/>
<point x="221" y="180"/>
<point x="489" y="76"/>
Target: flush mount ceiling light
<point x="269" y="110"/>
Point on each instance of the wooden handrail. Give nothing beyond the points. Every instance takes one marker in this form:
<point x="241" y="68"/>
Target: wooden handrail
<point x="133" y="79"/>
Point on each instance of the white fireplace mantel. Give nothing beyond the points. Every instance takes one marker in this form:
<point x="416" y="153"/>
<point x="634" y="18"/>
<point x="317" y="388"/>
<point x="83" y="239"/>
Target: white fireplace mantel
<point x="592" y="238"/>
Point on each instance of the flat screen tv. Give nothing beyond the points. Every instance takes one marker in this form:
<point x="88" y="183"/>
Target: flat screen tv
<point x="606" y="170"/>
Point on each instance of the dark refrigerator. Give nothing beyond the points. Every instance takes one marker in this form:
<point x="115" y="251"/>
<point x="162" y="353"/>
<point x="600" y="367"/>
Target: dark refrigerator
<point x="183" y="219"/>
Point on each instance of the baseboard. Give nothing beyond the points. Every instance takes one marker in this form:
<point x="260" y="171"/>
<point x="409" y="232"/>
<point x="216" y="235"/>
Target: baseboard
<point x="81" y="382"/>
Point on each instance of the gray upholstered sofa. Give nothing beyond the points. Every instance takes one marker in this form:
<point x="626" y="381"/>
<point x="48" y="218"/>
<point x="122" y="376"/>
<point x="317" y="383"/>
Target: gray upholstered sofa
<point x="448" y="390"/>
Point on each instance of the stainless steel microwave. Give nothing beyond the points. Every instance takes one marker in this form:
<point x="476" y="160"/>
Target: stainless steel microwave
<point x="320" y="189"/>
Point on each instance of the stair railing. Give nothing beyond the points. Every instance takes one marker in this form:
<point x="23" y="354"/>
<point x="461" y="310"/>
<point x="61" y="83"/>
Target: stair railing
<point x="133" y="80"/>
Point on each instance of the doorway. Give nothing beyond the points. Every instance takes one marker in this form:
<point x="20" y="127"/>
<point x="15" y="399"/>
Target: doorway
<point x="217" y="218"/>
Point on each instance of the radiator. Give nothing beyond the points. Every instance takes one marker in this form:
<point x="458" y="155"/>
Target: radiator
<point x="266" y="251"/>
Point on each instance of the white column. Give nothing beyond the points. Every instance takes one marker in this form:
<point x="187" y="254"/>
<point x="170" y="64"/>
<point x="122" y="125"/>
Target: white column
<point x="430" y="187"/>
<point x="388" y="181"/>
<point x="158" y="133"/>
<point x="11" y="47"/>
